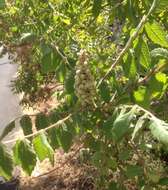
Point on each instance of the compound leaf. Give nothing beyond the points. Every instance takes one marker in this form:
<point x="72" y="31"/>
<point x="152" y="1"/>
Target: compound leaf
<point x="122" y="124"/>
<point x="26" y="125"/>
<point x="156" y="33"/>
<point x="159" y="131"/>
<point x="43" y="148"/>
<point x="7" y="129"/>
<point x="6" y="162"/>
<point x="24" y="155"/>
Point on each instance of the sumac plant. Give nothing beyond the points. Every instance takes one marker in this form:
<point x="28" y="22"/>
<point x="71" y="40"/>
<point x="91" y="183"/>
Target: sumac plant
<point x="111" y="58"/>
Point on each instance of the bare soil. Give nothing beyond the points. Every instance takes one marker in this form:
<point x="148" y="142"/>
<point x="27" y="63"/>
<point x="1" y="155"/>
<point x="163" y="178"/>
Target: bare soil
<point x="67" y="174"/>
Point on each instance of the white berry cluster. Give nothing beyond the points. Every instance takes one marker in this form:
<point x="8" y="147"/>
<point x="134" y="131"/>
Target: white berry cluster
<point x="84" y="81"/>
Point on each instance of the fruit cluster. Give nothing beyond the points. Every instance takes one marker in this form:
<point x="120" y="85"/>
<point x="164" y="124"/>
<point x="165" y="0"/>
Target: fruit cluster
<point x="84" y="81"/>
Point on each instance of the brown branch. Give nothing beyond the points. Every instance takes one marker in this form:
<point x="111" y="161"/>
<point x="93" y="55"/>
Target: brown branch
<point x="129" y="42"/>
<point x="42" y="130"/>
<point x="151" y="73"/>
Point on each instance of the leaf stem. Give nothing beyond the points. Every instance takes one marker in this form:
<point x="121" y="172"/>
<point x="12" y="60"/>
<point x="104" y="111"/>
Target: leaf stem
<point x="129" y="42"/>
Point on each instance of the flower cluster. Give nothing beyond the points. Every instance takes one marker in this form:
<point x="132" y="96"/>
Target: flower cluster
<point x="84" y="81"/>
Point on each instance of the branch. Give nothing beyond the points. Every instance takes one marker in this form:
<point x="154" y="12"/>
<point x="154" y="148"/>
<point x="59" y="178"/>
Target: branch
<point x="151" y="73"/>
<point x="42" y="130"/>
<point x="64" y="58"/>
<point x="151" y="115"/>
<point x="129" y="42"/>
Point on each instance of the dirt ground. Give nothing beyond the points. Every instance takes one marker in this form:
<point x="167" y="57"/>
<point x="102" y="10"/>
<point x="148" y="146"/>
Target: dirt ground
<point x="67" y="174"/>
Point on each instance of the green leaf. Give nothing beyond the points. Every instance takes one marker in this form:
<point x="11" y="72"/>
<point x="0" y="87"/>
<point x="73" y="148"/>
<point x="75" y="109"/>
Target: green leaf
<point x="6" y="163"/>
<point x="26" y="125"/>
<point x="153" y="176"/>
<point x="41" y="121"/>
<point x="97" y="5"/>
<point x="2" y="4"/>
<point x="159" y="130"/>
<point x="142" y="96"/>
<point x="50" y="59"/>
<point x="162" y="5"/>
<point x="133" y="171"/>
<point x="124" y="155"/>
<point x="138" y="126"/>
<point x="97" y="159"/>
<point x="54" y="116"/>
<point x="7" y="129"/>
<point x="157" y="85"/>
<point x="163" y="181"/>
<point x="156" y="33"/>
<point x="105" y="92"/>
<point x="69" y="83"/>
<point x="43" y="148"/>
<point x="108" y="124"/>
<point x="53" y="139"/>
<point x="71" y="126"/>
<point x="49" y="63"/>
<point x="143" y="53"/>
<point x="113" y="186"/>
<point x="129" y="65"/>
<point x="92" y="143"/>
<point x="61" y="72"/>
<point x="24" y="155"/>
<point x="45" y="49"/>
<point x="160" y="53"/>
<point x="112" y="163"/>
<point x="130" y="11"/>
<point x="121" y="124"/>
<point x="65" y="137"/>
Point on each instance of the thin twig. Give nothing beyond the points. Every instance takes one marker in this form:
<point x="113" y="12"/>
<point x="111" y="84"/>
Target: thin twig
<point x="129" y="43"/>
<point x="64" y="58"/>
<point x="151" y="73"/>
<point x="42" y="130"/>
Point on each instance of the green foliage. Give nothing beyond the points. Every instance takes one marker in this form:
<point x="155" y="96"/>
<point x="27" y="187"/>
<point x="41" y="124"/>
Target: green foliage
<point x="156" y="33"/>
<point x="159" y="131"/>
<point x="105" y="92"/>
<point x="129" y="66"/>
<point x="50" y="59"/>
<point x="53" y="138"/>
<point x="6" y="163"/>
<point x="43" y="148"/>
<point x="163" y="181"/>
<point x="96" y="7"/>
<point x="7" y="129"/>
<point x="121" y="125"/>
<point x="65" y="137"/>
<point x="133" y="171"/>
<point x="26" y="125"/>
<point x="2" y="4"/>
<point x="41" y="121"/>
<point x="24" y="155"/>
<point x="141" y="96"/>
<point x="143" y="54"/>
<point x="159" y="53"/>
